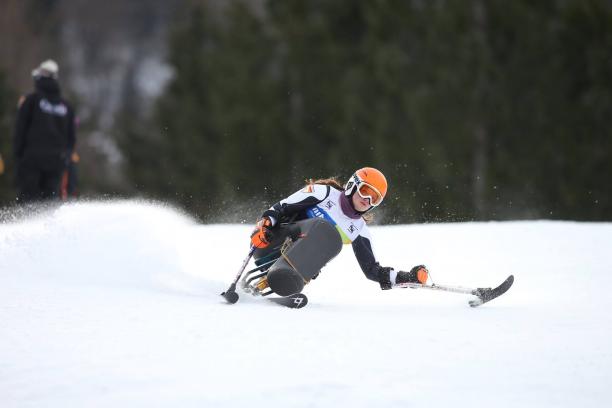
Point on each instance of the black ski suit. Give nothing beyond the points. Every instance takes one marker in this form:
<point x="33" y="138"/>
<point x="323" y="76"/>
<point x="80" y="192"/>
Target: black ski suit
<point x="43" y="142"/>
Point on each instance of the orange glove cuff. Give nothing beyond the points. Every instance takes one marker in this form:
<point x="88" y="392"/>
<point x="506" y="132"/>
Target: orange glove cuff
<point x="422" y="275"/>
<point x="260" y="238"/>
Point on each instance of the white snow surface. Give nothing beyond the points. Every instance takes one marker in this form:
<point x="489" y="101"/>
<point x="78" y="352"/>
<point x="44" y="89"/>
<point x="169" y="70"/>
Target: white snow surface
<point x="116" y="304"/>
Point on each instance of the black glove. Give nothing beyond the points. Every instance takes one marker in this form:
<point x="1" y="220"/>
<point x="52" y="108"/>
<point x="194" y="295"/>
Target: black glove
<point x="418" y="274"/>
<point x="384" y="278"/>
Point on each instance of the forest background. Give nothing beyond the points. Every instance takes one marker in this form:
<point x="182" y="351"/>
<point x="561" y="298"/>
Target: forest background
<point x="474" y="110"/>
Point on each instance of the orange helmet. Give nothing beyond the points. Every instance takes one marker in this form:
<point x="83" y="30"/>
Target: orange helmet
<point x="369" y="183"/>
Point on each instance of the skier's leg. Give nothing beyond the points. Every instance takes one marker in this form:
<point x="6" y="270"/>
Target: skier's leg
<point x="255" y="280"/>
<point x="319" y="243"/>
<point x="283" y="279"/>
<point x="28" y="177"/>
<point x="273" y="250"/>
<point x="50" y="183"/>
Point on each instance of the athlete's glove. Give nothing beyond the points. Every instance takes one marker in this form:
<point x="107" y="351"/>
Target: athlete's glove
<point x="418" y="274"/>
<point x="261" y="237"/>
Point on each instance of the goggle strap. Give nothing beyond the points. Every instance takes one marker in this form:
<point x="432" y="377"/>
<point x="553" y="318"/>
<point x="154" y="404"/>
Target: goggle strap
<point x="354" y="181"/>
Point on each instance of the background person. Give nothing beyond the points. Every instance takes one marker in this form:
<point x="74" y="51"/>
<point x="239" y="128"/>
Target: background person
<point x="44" y="136"/>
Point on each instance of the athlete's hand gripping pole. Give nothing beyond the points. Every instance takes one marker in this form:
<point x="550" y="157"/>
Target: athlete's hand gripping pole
<point x="261" y="237"/>
<point x="230" y="294"/>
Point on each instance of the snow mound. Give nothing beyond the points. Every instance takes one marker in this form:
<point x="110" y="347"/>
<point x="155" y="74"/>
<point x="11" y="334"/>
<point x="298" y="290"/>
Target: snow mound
<point x="120" y="244"/>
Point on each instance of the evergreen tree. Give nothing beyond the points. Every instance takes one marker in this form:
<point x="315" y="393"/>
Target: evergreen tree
<point x="7" y="101"/>
<point x="247" y="111"/>
<point x="479" y="110"/>
<point x="215" y="130"/>
<point x="184" y="145"/>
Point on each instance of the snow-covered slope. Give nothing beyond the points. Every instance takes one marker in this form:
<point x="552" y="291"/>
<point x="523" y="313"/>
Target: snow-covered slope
<point x="117" y="305"/>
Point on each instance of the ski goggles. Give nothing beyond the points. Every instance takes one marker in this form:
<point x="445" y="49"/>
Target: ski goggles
<point x="370" y="192"/>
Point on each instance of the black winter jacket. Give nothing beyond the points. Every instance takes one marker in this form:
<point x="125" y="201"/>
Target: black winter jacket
<point x="45" y="123"/>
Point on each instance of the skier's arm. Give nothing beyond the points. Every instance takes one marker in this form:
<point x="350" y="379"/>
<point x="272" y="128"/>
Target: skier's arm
<point x="299" y="201"/>
<point x="384" y="275"/>
<point x="367" y="261"/>
<point x="21" y="126"/>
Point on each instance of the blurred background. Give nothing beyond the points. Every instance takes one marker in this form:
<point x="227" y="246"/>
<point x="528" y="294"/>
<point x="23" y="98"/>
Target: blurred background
<point x="474" y="110"/>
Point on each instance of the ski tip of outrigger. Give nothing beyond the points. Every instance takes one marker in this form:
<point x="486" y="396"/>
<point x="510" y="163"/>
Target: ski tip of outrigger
<point x="484" y="295"/>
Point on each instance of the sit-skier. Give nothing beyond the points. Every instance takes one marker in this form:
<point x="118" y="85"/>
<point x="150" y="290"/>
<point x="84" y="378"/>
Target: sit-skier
<point x="307" y="229"/>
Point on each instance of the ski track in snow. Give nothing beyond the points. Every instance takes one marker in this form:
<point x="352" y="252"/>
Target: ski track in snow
<point x="117" y="304"/>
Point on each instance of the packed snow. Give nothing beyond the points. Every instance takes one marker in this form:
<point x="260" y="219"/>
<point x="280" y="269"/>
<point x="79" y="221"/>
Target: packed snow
<point x="116" y="304"/>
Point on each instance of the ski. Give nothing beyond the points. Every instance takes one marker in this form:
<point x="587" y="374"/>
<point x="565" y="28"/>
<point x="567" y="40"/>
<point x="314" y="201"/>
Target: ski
<point x="296" y="301"/>
<point x="483" y="295"/>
